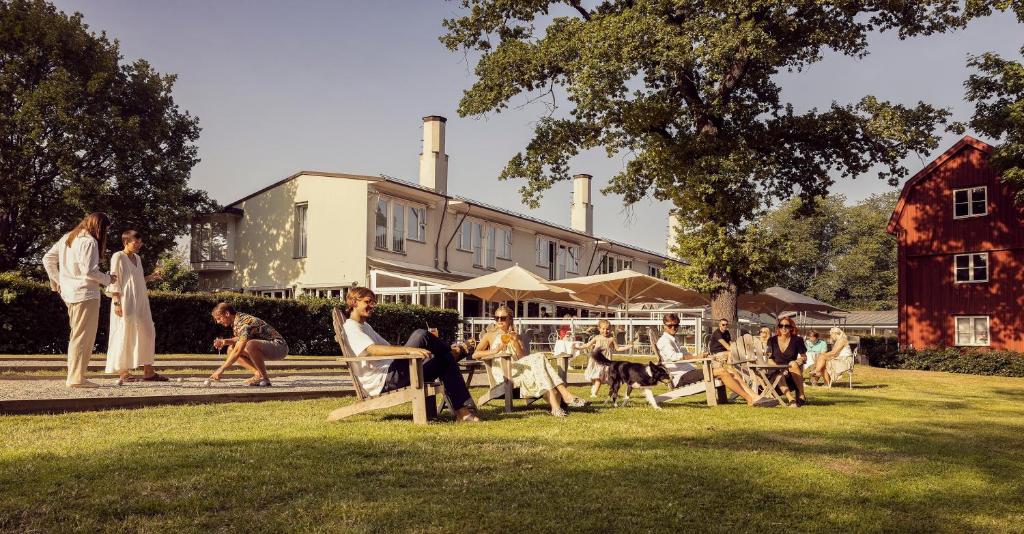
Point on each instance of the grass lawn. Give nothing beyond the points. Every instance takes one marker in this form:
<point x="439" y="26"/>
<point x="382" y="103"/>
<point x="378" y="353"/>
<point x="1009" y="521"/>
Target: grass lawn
<point x="903" y="451"/>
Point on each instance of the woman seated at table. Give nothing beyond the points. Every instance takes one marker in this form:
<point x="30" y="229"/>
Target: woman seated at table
<point x="787" y="348"/>
<point x="533" y="375"/>
<point x="815" y="346"/>
<point x="840" y="348"/>
<point x="761" y="343"/>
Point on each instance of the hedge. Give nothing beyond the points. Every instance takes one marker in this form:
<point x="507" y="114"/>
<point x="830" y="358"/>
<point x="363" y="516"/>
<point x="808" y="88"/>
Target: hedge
<point x="884" y="352"/>
<point x="881" y="351"/>
<point x="33" y="320"/>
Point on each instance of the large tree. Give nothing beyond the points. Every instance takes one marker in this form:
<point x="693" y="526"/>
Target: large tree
<point x="687" y="90"/>
<point x="844" y="255"/>
<point x="997" y="89"/>
<point x="82" y="131"/>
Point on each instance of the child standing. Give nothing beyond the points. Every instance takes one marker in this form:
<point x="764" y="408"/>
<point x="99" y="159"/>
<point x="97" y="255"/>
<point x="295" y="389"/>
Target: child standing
<point x="604" y="340"/>
<point x="132" y="342"/>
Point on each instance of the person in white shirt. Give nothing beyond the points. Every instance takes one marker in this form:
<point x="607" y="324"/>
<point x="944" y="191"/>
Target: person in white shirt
<point x="379" y="376"/>
<point x="73" y="266"/>
<point x="682" y="372"/>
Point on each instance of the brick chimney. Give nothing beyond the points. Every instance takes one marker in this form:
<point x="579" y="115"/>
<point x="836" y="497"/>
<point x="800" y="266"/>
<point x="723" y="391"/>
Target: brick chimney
<point x="433" y="160"/>
<point x="582" y="210"/>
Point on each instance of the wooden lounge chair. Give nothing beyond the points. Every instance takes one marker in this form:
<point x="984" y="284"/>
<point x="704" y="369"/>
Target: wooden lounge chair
<point x="837" y="366"/>
<point x="715" y="393"/>
<point x="498" y="390"/>
<point x="422" y="396"/>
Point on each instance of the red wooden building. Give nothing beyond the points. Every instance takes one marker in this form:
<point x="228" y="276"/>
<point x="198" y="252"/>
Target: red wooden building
<point x="961" y="254"/>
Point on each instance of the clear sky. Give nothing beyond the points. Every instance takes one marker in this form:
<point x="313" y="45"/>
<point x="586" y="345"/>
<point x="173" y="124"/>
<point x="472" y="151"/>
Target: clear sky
<point x="342" y="86"/>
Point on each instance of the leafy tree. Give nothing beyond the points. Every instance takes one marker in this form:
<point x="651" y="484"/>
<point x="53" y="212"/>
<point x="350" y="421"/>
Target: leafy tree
<point x="687" y="90"/>
<point x="845" y="256"/>
<point x="998" y="93"/>
<point x="80" y="131"/>
<point x="176" y="273"/>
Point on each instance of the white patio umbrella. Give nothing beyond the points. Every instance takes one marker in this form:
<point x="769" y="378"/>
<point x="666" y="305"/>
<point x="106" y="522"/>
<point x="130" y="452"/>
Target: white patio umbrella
<point x="628" y="287"/>
<point x="776" y="301"/>
<point x="515" y="284"/>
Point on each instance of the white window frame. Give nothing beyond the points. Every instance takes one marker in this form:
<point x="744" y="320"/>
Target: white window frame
<point x="970" y="202"/>
<point x="416" y="228"/>
<point x="972" y="321"/>
<point x="971" y="257"/>
<point x="654" y="271"/>
<point x="300" y="217"/>
<point x="573" y="259"/>
<point x="504" y="244"/>
<point x="542" y="250"/>
<point x="613" y="263"/>
<point x="210" y="237"/>
<point x="397" y="220"/>
<point x="283" y="293"/>
<point x="465" y="237"/>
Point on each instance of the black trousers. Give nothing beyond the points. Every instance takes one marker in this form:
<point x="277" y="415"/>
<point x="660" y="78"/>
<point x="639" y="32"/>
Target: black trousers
<point x="441" y="366"/>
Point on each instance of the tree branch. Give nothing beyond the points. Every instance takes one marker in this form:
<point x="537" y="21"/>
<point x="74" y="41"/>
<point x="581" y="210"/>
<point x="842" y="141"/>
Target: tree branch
<point x="583" y="12"/>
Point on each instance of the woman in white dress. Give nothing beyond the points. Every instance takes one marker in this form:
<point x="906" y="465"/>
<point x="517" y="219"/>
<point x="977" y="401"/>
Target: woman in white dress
<point x="840" y="349"/>
<point x="132" y="335"/>
<point x="533" y="375"/>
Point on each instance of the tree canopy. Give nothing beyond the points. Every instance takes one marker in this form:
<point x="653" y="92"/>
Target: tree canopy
<point x="844" y="255"/>
<point x="686" y="90"/>
<point x="997" y="89"/>
<point x="82" y="131"/>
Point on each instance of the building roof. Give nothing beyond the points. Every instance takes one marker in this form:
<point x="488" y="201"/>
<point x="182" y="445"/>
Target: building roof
<point x="854" y="318"/>
<point x="414" y="185"/>
<point x="966" y="142"/>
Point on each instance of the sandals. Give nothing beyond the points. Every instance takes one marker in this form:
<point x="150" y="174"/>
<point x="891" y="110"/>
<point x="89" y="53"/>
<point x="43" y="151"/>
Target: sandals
<point x="558" y="412"/>
<point x="155" y="377"/>
<point x="578" y="402"/>
<point x="127" y="379"/>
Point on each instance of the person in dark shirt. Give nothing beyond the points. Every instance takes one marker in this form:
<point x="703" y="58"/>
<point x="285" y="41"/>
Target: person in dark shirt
<point x="788" y="348"/>
<point x="721" y="339"/>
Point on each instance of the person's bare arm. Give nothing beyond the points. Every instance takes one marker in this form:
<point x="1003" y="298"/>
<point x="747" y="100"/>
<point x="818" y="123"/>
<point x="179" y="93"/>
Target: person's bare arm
<point x="233" y="354"/>
<point x="395" y="350"/>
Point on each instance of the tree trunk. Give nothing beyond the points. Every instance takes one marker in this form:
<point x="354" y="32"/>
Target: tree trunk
<point x="723" y="304"/>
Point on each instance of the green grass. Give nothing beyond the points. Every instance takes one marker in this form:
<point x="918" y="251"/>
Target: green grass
<point x="903" y="451"/>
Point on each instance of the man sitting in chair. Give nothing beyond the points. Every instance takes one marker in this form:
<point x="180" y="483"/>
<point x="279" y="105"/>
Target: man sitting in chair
<point x="381" y="376"/>
<point x="683" y="373"/>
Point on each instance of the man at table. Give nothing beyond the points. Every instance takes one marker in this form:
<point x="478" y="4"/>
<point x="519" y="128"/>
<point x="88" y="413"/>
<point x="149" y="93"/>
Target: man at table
<point x="683" y="373"/>
<point x="721" y="339"/>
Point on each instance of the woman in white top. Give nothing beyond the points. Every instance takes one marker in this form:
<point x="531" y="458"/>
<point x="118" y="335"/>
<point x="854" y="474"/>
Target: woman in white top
<point x="132" y="336"/>
<point x="840" y="349"/>
<point x="379" y="376"/>
<point x="533" y="375"/>
<point x="73" y="266"/>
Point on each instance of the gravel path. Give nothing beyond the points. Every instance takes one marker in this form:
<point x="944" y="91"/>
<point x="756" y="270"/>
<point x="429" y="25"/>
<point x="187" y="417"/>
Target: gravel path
<point x="55" y="389"/>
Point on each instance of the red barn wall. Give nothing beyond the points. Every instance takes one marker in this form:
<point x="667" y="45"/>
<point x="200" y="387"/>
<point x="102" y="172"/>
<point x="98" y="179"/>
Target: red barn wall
<point x="930" y="237"/>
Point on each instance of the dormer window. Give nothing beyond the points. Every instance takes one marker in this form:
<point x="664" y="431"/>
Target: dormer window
<point x="970" y="202"/>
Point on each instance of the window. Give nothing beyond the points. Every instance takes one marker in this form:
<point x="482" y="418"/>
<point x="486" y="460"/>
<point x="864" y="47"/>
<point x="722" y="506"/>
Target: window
<point x="383" y="207"/>
<point x="971" y="267"/>
<point x="972" y="202"/>
<point x="972" y="331"/>
<point x="397" y="221"/>
<point x="417" y="230"/>
<point x="560" y="260"/>
<point x="543" y="246"/>
<point x="209" y="241"/>
<point x="613" y="264"/>
<point x="465" y="236"/>
<point x="572" y="265"/>
<point x="275" y="293"/>
<point x="489" y="249"/>
<point x="478" y="244"/>
<point x="299" y="224"/>
<point x="654" y="271"/>
<point x="505" y="243"/>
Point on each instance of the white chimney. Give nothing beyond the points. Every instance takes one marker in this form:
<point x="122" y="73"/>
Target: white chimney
<point x="582" y="211"/>
<point x="433" y="160"/>
<point x="673" y="233"/>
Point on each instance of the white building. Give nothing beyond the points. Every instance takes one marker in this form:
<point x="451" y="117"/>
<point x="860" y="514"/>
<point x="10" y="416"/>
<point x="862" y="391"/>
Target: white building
<point x="316" y="233"/>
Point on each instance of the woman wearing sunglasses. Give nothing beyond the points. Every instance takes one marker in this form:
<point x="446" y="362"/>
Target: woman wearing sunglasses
<point x="788" y="348"/>
<point x="533" y="375"/>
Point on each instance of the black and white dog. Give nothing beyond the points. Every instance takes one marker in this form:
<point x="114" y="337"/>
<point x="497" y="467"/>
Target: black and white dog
<point x="632" y="375"/>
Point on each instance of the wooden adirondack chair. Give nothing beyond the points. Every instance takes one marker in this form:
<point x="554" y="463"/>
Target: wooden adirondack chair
<point x="422" y="396"/>
<point x="715" y="393"/>
<point x="498" y="390"/>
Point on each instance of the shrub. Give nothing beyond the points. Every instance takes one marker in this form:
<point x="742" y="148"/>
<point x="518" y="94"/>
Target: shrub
<point x="881" y="351"/>
<point x="33" y="320"/>
<point x="961" y="360"/>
